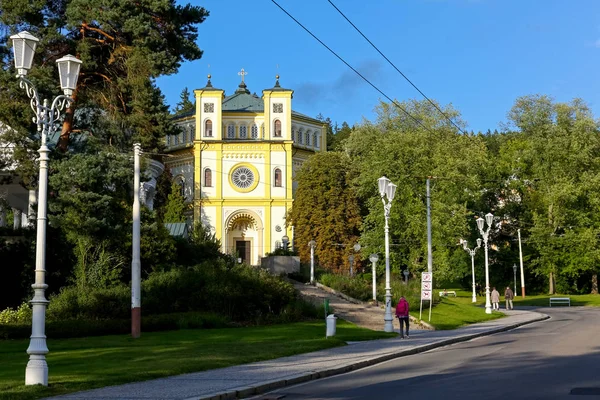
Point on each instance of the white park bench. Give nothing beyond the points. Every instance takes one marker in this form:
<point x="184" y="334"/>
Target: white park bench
<point x="448" y="293"/>
<point x="560" y="300"/>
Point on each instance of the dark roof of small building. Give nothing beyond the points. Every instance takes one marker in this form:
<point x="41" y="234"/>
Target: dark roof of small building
<point x="177" y="229"/>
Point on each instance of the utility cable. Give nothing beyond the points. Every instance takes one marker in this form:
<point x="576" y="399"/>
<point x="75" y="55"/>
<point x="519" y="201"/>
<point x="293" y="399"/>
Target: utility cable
<point x="396" y="68"/>
<point x="394" y="102"/>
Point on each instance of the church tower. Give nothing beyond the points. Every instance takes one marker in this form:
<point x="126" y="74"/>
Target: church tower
<point x="242" y="161"/>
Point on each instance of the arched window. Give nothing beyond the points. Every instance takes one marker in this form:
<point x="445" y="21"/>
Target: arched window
<point x="315" y="141"/>
<point x="207" y="178"/>
<point x="300" y="136"/>
<point x="230" y="131"/>
<point x="208" y="128"/>
<point x="277" y="179"/>
<point x="254" y="132"/>
<point x="307" y="139"/>
<point x="277" y="132"/>
<point x="293" y="134"/>
<point x="168" y="140"/>
<point x="243" y="132"/>
<point x="192" y="133"/>
<point x="176" y="140"/>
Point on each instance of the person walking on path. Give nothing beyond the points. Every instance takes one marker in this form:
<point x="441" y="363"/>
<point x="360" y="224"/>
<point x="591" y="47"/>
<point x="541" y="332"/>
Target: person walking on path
<point x="495" y="299"/>
<point x="508" y="297"/>
<point x="402" y="309"/>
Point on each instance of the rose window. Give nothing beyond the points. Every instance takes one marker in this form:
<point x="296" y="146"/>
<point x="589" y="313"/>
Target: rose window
<point x="243" y="177"/>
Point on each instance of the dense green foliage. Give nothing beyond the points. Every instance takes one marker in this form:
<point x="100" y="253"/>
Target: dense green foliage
<point x="241" y="293"/>
<point x="175" y="206"/>
<point x="123" y="46"/>
<point x="540" y="175"/>
<point x="326" y="209"/>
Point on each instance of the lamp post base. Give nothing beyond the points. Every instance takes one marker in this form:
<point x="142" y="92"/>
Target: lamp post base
<point x="488" y="303"/>
<point x="36" y="372"/>
<point x="388" y="318"/>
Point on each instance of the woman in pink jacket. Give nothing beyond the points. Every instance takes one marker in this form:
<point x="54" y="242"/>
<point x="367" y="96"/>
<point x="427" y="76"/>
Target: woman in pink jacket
<point x="402" y="309"/>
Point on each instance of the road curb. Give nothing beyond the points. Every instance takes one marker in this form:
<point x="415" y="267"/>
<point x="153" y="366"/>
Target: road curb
<point x="246" y="391"/>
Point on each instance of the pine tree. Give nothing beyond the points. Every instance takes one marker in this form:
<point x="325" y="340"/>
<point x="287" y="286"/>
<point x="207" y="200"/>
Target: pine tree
<point x="176" y="205"/>
<point x="184" y="105"/>
<point x="124" y="47"/>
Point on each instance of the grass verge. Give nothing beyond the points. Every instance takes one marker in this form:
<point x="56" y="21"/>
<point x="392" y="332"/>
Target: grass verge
<point x="543" y="300"/>
<point x="454" y="312"/>
<point x="87" y="363"/>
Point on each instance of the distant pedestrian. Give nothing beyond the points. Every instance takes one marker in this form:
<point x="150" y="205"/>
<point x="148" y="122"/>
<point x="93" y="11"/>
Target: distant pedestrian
<point x="478" y="289"/>
<point x="508" y="297"/>
<point x="402" y="309"/>
<point x="495" y="299"/>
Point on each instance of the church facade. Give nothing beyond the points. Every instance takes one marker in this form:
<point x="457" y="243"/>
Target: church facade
<point x="235" y="161"/>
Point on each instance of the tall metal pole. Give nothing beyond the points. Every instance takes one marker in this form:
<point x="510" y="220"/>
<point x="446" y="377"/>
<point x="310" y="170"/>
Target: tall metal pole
<point x="429" y="250"/>
<point x="515" y="277"/>
<point x="136" y="310"/>
<point x="388" y="326"/>
<point x="521" y="262"/>
<point x="374" y="258"/>
<point x="374" y="279"/>
<point x="312" y="261"/>
<point x="387" y="190"/>
<point x="474" y="300"/>
<point x="37" y="368"/>
<point x="488" y="303"/>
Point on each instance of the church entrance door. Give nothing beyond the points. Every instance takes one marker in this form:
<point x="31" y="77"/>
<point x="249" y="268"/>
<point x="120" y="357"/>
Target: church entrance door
<point x="242" y="248"/>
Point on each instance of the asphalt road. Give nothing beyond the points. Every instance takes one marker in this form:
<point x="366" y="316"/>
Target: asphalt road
<point x="555" y="359"/>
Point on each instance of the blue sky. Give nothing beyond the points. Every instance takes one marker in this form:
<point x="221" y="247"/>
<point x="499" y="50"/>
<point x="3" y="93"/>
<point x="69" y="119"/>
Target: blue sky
<point x="478" y="55"/>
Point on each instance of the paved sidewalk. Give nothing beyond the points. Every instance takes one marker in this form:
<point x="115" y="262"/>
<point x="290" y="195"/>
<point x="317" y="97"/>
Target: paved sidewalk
<point x="250" y="379"/>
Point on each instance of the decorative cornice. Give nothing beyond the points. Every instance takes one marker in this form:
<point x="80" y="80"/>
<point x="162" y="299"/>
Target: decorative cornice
<point x="243" y="155"/>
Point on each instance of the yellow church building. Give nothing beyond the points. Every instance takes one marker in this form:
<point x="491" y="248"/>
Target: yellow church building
<point x="235" y="161"/>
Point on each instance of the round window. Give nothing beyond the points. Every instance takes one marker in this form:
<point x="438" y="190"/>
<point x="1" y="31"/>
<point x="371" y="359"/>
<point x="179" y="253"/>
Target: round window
<point x="243" y="177"/>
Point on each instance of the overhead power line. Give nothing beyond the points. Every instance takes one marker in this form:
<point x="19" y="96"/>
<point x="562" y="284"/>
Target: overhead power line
<point x="394" y="102"/>
<point x="396" y="68"/>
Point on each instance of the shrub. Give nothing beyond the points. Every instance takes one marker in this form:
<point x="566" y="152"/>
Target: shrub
<point x="356" y="287"/>
<point x="91" y="304"/>
<point x="303" y="275"/>
<point x="72" y="328"/>
<point x="241" y="293"/>
<point x="19" y="316"/>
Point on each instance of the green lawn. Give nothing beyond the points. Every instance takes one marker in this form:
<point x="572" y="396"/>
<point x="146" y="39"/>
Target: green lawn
<point x="454" y="312"/>
<point x="542" y="300"/>
<point x="86" y="363"/>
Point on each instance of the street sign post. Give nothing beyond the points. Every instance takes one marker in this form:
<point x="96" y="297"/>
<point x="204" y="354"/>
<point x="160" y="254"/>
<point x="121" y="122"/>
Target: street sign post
<point x="426" y="291"/>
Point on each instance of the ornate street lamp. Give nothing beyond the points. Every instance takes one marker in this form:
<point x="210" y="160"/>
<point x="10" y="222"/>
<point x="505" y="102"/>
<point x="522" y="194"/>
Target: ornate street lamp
<point x="46" y="117"/>
<point x="472" y="254"/>
<point x="489" y="219"/>
<point x="387" y="191"/>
